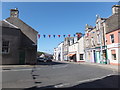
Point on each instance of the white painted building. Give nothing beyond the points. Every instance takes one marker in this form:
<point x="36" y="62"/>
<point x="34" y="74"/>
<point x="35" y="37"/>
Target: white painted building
<point x="80" y="56"/>
<point x="113" y="53"/>
<point x="76" y="50"/>
<point x="58" y="52"/>
<point x="55" y="53"/>
<point x="73" y="52"/>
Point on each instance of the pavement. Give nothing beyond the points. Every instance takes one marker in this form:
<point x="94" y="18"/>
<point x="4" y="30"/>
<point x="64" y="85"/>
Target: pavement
<point x="105" y="66"/>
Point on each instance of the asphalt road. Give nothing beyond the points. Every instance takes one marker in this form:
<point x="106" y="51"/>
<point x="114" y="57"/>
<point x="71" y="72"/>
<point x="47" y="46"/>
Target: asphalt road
<point x="59" y="75"/>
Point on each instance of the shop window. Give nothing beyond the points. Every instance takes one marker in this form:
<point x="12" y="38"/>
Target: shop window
<point x="113" y="54"/>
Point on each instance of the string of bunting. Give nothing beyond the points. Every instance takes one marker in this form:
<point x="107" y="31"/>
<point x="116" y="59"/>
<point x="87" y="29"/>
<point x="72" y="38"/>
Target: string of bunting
<point x="54" y="36"/>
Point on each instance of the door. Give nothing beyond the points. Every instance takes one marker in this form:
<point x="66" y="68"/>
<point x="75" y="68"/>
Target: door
<point x="98" y="57"/>
<point x="94" y="56"/>
<point x="22" y="57"/>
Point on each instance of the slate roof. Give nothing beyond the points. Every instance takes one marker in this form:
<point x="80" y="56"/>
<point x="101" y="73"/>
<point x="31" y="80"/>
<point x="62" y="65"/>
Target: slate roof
<point x="4" y="23"/>
<point x="113" y="23"/>
<point x="17" y="22"/>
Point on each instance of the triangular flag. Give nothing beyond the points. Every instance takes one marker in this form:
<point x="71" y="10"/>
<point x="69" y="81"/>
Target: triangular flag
<point x="63" y="35"/>
<point x="38" y="35"/>
<point x="78" y="35"/>
<point x="54" y="36"/>
<point x="49" y="36"/>
<point x="44" y="36"/>
<point x="74" y="35"/>
<point x="68" y="35"/>
<point x="58" y="35"/>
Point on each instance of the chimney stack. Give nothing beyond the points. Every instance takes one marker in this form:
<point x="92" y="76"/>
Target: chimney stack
<point x="115" y="9"/>
<point x="14" y="13"/>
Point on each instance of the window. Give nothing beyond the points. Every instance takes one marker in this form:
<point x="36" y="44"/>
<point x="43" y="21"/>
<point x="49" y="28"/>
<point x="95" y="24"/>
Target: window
<point x="113" y="53"/>
<point x="98" y="38"/>
<point x="81" y="56"/>
<point x="92" y="41"/>
<point x="113" y="56"/>
<point x="5" y="47"/>
<point x="87" y="43"/>
<point x="97" y="26"/>
<point x="112" y="38"/>
<point x="119" y="37"/>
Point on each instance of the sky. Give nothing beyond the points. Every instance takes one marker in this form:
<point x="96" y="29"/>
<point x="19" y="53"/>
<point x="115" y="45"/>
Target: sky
<point x="58" y="18"/>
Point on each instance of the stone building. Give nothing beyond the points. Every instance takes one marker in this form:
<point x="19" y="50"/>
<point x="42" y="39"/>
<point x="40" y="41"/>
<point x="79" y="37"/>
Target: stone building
<point x="94" y="42"/>
<point x="113" y="36"/>
<point x="97" y="41"/>
<point x="66" y="48"/>
<point x="19" y="41"/>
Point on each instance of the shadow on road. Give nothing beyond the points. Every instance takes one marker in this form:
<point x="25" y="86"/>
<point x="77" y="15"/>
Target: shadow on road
<point x="107" y="82"/>
<point x="50" y="63"/>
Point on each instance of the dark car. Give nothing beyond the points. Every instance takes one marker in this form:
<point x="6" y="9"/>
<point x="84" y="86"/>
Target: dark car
<point x="48" y="60"/>
<point x="41" y="59"/>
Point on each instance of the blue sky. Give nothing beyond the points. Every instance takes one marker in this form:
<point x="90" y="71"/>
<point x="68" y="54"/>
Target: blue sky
<point x="56" y="18"/>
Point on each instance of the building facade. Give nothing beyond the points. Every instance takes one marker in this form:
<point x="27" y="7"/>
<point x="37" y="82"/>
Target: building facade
<point x="58" y="52"/>
<point x="81" y="54"/>
<point x="66" y="48"/>
<point x="113" y="36"/>
<point x="19" y="41"/>
<point x="113" y="47"/>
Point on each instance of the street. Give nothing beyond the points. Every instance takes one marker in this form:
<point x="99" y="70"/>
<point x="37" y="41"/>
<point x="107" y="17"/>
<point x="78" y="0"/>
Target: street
<point x="59" y="75"/>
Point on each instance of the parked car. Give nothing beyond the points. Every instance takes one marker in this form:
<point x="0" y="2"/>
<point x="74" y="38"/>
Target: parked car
<point x="41" y="59"/>
<point x="48" y="60"/>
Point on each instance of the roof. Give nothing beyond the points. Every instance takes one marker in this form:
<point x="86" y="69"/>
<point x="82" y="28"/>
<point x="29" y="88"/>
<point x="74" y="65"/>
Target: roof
<point x="115" y="6"/>
<point x="15" y="20"/>
<point x="112" y="23"/>
<point x="5" y="23"/>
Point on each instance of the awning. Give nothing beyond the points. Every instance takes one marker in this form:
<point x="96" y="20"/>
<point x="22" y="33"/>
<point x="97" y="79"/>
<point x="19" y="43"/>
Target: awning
<point x="70" y="55"/>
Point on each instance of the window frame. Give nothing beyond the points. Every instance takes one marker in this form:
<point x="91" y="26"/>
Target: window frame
<point x="82" y="56"/>
<point x="7" y="46"/>
<point x="112" y="39"/>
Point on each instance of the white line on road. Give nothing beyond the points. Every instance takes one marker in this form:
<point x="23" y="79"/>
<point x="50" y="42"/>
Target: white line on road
<point x="80" y="82"/>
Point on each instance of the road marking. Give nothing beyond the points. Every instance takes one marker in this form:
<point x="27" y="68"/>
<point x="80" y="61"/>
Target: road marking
<point x="63" y="66"/>
<point x="61" y="85"/>
<point x="80" y="82"/>
<point x="20" y="70"/>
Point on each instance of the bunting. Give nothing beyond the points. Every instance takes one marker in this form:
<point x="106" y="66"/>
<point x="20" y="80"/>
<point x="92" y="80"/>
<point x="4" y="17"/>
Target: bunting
<point x="69" y="35"/>
<point x="54" y="36"/>
<point x="38" y="35"/>
<point x="58" y="35"/>
<point x="49" y="36"/>
<point x="64" y="36"/>
<point x="44" y="36"/>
